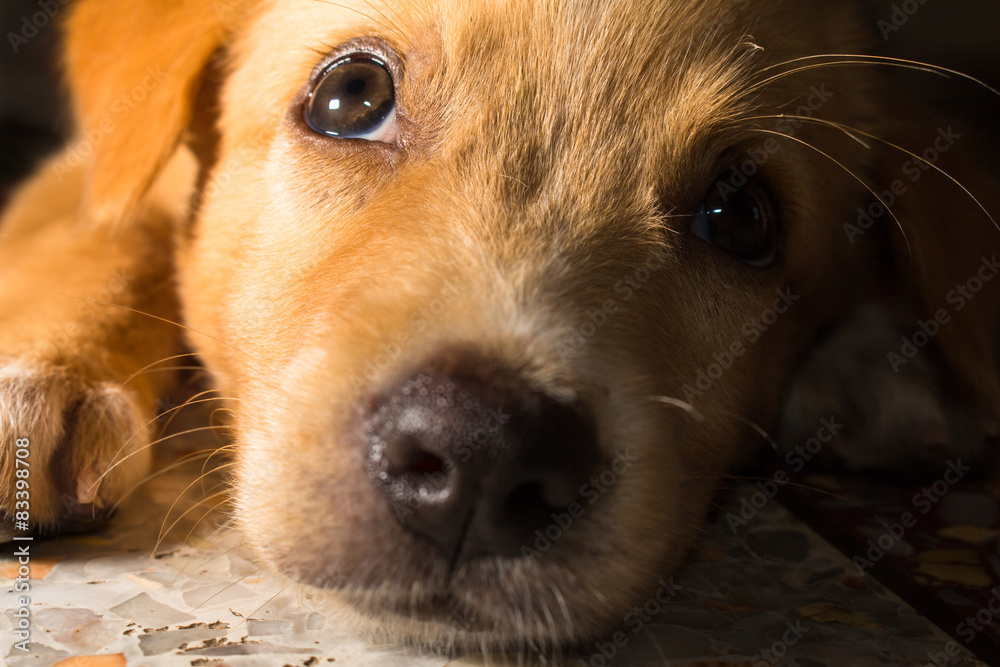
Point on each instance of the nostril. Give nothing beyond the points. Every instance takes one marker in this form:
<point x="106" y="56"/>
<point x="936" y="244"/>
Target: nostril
<point x="426" y="464"/>
<point x="475" y="462"/>
<point x="562" y="489"/>
<point x="525" y="500"/>
<point x="425" y="475"/>
<point x="541" y="496"/>
<point x="411" y="473"/>
<point x="407" y="454"/>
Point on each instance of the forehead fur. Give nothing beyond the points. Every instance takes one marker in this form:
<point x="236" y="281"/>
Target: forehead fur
<point x="547" y="84"/>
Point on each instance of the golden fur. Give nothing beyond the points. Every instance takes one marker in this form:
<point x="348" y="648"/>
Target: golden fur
<point x="550" y="156"/>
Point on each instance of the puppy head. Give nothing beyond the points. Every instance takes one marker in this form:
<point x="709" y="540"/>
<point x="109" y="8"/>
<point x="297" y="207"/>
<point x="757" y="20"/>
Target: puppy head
<point x="490" y="283"/>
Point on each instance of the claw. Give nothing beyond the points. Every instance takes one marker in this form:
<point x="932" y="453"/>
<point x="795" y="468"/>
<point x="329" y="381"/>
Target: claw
<point x="86" y="487"/>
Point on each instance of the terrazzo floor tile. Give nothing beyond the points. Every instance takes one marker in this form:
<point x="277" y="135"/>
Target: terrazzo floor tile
<point x="936" y="543"/>
<point x="765" y="591"/>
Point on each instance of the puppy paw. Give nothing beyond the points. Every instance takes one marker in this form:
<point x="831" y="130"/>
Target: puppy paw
<point x="896" y="421"/>
<point x="72" y="447"/>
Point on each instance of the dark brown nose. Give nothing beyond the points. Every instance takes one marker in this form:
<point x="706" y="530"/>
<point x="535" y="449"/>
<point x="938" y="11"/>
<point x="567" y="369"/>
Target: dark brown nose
<point x="475" y="464"/>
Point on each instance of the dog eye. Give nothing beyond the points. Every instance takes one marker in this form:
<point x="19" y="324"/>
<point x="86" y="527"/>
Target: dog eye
<point x="355" y="99"/>
<point x="740" y="221"/>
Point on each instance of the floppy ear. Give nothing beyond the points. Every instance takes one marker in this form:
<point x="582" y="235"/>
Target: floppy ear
<point x="134" y="67"/>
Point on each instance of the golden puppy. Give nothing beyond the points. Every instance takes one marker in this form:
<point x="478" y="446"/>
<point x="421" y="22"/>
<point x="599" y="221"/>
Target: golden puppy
<point x="468" y="272"/>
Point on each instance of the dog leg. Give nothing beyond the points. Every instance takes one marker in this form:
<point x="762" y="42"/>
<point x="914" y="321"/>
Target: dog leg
<point x="896" y="419"/>
<point x="82" y="309"/>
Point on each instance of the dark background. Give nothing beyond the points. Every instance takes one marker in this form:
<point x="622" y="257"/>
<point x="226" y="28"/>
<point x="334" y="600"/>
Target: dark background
<point x="962" y="34"/>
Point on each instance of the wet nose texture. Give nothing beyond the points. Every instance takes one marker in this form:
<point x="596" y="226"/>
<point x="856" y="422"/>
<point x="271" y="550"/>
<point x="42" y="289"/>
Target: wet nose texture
<point x="475" y="465"/>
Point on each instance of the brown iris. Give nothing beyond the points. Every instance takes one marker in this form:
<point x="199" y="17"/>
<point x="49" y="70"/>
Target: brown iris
<point x="354" y="97"/>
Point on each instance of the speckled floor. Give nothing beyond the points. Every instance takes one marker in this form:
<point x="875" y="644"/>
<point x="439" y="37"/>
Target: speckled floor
<point x="767" y="591"/>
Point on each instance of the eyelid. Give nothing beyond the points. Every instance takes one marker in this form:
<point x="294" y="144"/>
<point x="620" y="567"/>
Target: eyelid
<point x="375" y="48"/>
<point x="387" y="131"/>
<point x="349" y="56"/>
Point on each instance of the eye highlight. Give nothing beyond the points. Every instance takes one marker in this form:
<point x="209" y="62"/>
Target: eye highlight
<point x="740" y="221"/>
<point x="354" y="99"/>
